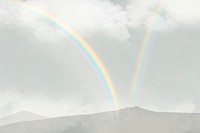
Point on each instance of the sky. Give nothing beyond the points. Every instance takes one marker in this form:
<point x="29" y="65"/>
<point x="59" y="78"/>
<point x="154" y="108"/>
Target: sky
<point x="42" y="71"/>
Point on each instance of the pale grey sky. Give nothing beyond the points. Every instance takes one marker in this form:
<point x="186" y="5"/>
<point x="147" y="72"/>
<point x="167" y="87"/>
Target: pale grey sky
<point x="43" y="72"/>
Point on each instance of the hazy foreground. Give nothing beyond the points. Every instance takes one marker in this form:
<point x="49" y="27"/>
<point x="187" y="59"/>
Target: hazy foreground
<point x="130" y="120"/>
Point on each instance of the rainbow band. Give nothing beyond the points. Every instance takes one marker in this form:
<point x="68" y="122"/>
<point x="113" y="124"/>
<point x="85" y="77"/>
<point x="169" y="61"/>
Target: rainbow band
<point x="84" y="47"/>
<point x="146" y="43"/>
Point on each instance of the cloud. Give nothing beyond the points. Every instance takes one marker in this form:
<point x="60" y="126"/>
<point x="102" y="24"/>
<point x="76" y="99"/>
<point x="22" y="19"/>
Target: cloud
<point x="184" y="11"/>
<point x="12" y="101"/>
<point x="86" y="17"/>
<point x="186" y="107"/>
<point x="166" y="14"/>
<point x="9" y="99"/>
<point x="90" y="16"/>
<point x="93" y="16"/>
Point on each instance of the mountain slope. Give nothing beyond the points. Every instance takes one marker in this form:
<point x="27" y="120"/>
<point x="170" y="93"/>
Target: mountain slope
<point x="19" y="117"/>
<point x="130" y="120"/>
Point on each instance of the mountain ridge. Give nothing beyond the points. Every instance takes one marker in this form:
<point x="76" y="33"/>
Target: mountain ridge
<point x="133" y="119"/>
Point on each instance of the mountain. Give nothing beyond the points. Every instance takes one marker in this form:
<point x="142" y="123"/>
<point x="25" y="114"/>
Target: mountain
<point x="129" y="120"/>
<point x="19" y="117"/>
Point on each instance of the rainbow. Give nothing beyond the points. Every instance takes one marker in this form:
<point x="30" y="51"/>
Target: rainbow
<point x="146" y="43"/>
<point x="83" y="46"/>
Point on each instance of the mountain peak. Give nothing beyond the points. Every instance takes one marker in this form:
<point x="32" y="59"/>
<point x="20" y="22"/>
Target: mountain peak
<point x="134" y="108"/>
<point x="137" y="108"/>
<point x="23" y="112"/>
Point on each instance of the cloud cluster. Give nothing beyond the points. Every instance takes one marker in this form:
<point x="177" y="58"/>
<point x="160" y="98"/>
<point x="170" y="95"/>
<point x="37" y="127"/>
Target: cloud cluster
<point x="93" y="16"/>
<point x="86" y="17"/>
<point x="12" y="101"/>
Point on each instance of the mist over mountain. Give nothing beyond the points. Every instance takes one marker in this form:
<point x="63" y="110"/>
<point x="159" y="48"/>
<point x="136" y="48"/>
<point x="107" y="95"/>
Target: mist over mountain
<point x="127" y="120"/>
<point x="19" y="117"/>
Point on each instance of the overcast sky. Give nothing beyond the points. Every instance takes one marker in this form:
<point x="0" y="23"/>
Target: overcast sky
<point x="42" y="71"/>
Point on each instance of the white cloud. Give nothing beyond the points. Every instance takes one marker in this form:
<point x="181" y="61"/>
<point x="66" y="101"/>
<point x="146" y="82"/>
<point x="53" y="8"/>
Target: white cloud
<point x="184" y="107"/>
<point x="91" y="16"/>
<point x="187" y="107"/>
<point x="13" y="101"/>
<point x="185" y="10"/>
<point x="9" y="99"/>
<point x="95" y="16"/>
<point x="166" y="14"/>
<point x="86" y="17"/>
